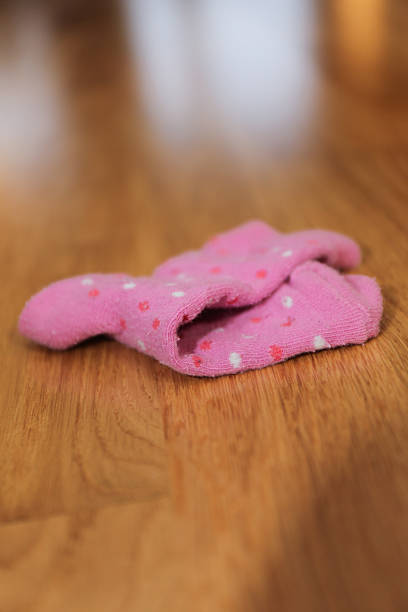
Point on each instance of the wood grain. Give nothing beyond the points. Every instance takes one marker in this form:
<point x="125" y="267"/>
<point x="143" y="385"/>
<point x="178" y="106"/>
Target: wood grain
<point x="130" y="132"/>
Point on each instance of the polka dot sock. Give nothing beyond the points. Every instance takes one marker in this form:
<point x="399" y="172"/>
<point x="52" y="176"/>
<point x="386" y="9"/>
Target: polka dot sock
<point x="249" y="298"/>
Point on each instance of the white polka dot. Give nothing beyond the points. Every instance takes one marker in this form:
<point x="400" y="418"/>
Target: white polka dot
<point x="129" y="285"/>
<point x="87" y="281"/>
<point x="235" y="360"/>
<point x="141" y="345"/>
<point x="287" y="301"/>
<point x="320" y="343"/>
<point x="218" y="330"/>
<point x="247" y="337"/>
<point x="178" y="294"/>
<point x="185" y="277"/>
<point x="287" y="253"/>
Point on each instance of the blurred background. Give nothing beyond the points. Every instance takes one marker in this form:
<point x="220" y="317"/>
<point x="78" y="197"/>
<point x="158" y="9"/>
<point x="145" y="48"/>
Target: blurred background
<point x="110" y="107"/>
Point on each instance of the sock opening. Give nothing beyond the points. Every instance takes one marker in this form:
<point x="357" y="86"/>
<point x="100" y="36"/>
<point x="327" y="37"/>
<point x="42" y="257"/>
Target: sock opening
<point x="207" y="325"/>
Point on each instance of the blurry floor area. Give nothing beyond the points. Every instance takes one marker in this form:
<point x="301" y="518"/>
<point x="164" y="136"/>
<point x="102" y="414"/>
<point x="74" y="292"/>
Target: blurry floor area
<point x="133" y="130"/>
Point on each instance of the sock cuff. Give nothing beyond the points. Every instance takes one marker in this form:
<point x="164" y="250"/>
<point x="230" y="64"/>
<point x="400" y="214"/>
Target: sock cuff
<point x="350" y="299"/>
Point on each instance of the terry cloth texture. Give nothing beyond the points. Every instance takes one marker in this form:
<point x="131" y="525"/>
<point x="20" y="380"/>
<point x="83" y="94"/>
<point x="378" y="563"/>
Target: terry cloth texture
<point x="249" y="298"/>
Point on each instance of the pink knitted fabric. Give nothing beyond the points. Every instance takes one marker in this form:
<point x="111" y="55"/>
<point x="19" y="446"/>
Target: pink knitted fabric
<point x="249" y="298"/>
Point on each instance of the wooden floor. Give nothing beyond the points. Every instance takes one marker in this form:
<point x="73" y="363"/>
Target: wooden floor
<point x="129" y="132"/>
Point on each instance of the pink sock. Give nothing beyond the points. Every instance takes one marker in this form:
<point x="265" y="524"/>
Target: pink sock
<point x="249" y="298"/>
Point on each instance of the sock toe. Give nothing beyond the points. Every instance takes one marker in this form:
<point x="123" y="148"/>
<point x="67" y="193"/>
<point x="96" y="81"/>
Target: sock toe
<point x="69" y="311"/>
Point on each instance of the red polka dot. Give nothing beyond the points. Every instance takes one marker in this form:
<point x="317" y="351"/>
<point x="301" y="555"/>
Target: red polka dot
<point x="233" y="301"/>
<point x="215" y="270"/>
<point x="261" y="273"/>
<point x="143" y="306"/>
<point x="276" y="352"/>
<point x="256" y="320"/>
<point x="93" y="293"/>
<point x="123" y="323"/>
<point x="197" y="361"/>
<point x="156" y="323"/>
<point x="184" y="319"/>
<point x="288" y="322"/>
<point x="206" y="345"/>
